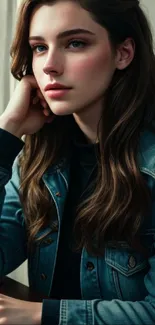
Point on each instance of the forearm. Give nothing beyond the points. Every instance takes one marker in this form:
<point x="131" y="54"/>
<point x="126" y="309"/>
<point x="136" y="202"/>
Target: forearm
<point x="100" y="312"/>
<point x="10" y="221"/>
<point x="10" y="146"/>
<point x="10" y="126"/>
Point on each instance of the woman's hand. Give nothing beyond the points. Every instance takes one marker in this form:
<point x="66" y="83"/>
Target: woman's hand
<point x="14" y="311"/>
<point x="27" y="110"/>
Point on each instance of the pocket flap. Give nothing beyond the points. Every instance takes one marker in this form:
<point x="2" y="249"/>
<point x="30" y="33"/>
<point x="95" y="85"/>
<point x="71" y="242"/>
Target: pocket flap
<point x="125" y="260"/>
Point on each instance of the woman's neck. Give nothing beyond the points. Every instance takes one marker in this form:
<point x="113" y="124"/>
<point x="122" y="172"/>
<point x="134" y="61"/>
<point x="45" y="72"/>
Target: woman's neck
<point x="88" y="123"/>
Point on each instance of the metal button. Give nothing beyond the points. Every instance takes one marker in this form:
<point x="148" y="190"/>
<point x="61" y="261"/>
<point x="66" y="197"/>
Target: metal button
<point x="43" y="276"/>
<point x="48" y="241"/>
<point x="90" y="266"/>
<point x="58" y="194"/>
<point x="132" y="262"/>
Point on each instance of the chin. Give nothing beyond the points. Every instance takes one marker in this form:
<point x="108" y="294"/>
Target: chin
<point x="60" y="111"/>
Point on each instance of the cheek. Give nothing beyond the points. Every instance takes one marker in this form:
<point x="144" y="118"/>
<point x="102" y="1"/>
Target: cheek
<point x="93" y="66"/>
<point x="36" y="67"/>
<point x="37" y="72"/>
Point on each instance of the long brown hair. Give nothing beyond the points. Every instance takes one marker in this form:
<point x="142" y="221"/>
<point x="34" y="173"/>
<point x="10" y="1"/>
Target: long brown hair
<point x="120" y="200"/>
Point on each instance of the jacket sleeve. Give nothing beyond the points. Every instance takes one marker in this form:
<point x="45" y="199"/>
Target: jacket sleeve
<point x="12" y="227"/>
<point x="114" y="312"/>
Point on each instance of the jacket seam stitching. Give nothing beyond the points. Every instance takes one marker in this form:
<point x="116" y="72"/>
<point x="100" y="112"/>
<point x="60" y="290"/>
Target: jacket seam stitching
<point x="147" y="171"/>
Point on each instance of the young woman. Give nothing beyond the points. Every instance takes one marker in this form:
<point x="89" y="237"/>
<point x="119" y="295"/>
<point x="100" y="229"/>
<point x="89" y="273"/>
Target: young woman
<point x="79" y="202"/>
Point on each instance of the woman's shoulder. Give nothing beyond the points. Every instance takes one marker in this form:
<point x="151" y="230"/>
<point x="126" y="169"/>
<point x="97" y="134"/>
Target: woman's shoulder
<point x="146" y="154"/>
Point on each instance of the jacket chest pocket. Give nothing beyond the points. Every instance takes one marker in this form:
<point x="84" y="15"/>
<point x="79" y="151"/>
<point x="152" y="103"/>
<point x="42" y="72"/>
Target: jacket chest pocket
<point x="127" y="270"/>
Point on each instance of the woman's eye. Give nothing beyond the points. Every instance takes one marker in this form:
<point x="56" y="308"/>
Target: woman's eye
<point x="73" y="44"/>
<point x="38" y="48"/>
<point x="77" y="44"/>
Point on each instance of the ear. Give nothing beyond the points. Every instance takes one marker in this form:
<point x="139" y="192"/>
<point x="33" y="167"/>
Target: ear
<point x="125" y="54"/>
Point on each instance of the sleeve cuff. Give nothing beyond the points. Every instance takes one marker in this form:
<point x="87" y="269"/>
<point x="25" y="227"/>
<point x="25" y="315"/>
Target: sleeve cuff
<point x="10" y="146"/>
<point x="50" y="312"/>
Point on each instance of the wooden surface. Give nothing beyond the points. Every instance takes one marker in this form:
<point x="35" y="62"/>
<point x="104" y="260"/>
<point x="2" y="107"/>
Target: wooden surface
<point x="12" y="288"/>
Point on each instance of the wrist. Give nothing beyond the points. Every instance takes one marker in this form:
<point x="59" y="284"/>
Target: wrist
<point x="37" y="313"/>
<point x="11" y="127"/>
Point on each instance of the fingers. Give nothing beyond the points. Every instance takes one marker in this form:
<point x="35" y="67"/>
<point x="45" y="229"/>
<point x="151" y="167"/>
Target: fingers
<point x="50" y="119"/>
<point x="31" y="81"/>
<point x="37" y="96"/>
<point x="40" y="98"/>
<point x="40" y="95"/>
<point x="3" y="320"/>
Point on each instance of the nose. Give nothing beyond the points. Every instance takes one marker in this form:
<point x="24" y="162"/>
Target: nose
<point x="54" y="63"/>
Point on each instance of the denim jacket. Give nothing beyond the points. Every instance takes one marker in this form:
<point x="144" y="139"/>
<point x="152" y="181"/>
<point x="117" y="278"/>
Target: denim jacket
<point x="117" y="289"/>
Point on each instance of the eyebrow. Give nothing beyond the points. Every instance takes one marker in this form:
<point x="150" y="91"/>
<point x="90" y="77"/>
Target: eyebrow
<point x="65" y="34"/>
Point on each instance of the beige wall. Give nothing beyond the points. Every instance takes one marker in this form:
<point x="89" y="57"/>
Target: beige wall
<point x="149" y="8"/>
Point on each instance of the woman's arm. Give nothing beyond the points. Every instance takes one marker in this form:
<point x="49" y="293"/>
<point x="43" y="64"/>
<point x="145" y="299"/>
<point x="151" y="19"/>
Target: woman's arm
<point x="80" y="312"/>
<point x="20" y="117"/>
<point x="12" y="230"/>
<point x="15" y="311"/>
<point x="100" y="312"/>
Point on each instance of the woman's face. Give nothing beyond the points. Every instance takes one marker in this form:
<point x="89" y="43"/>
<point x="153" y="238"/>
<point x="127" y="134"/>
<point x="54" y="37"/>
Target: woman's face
<point x="82" y="61"/>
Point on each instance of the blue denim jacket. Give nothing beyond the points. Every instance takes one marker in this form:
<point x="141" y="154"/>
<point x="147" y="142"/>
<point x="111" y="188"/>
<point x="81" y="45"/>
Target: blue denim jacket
<point x="118" y="289"/>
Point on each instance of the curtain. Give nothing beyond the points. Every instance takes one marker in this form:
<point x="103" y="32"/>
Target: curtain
<point x="8" y="9"/>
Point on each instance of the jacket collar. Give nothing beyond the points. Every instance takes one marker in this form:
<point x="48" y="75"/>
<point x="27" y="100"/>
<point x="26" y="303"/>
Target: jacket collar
<point x="146" y="156"/>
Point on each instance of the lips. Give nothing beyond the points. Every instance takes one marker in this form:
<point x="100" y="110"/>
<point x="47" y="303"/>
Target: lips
<point x="57" y="93"/>
<point x="55" y="87"/>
